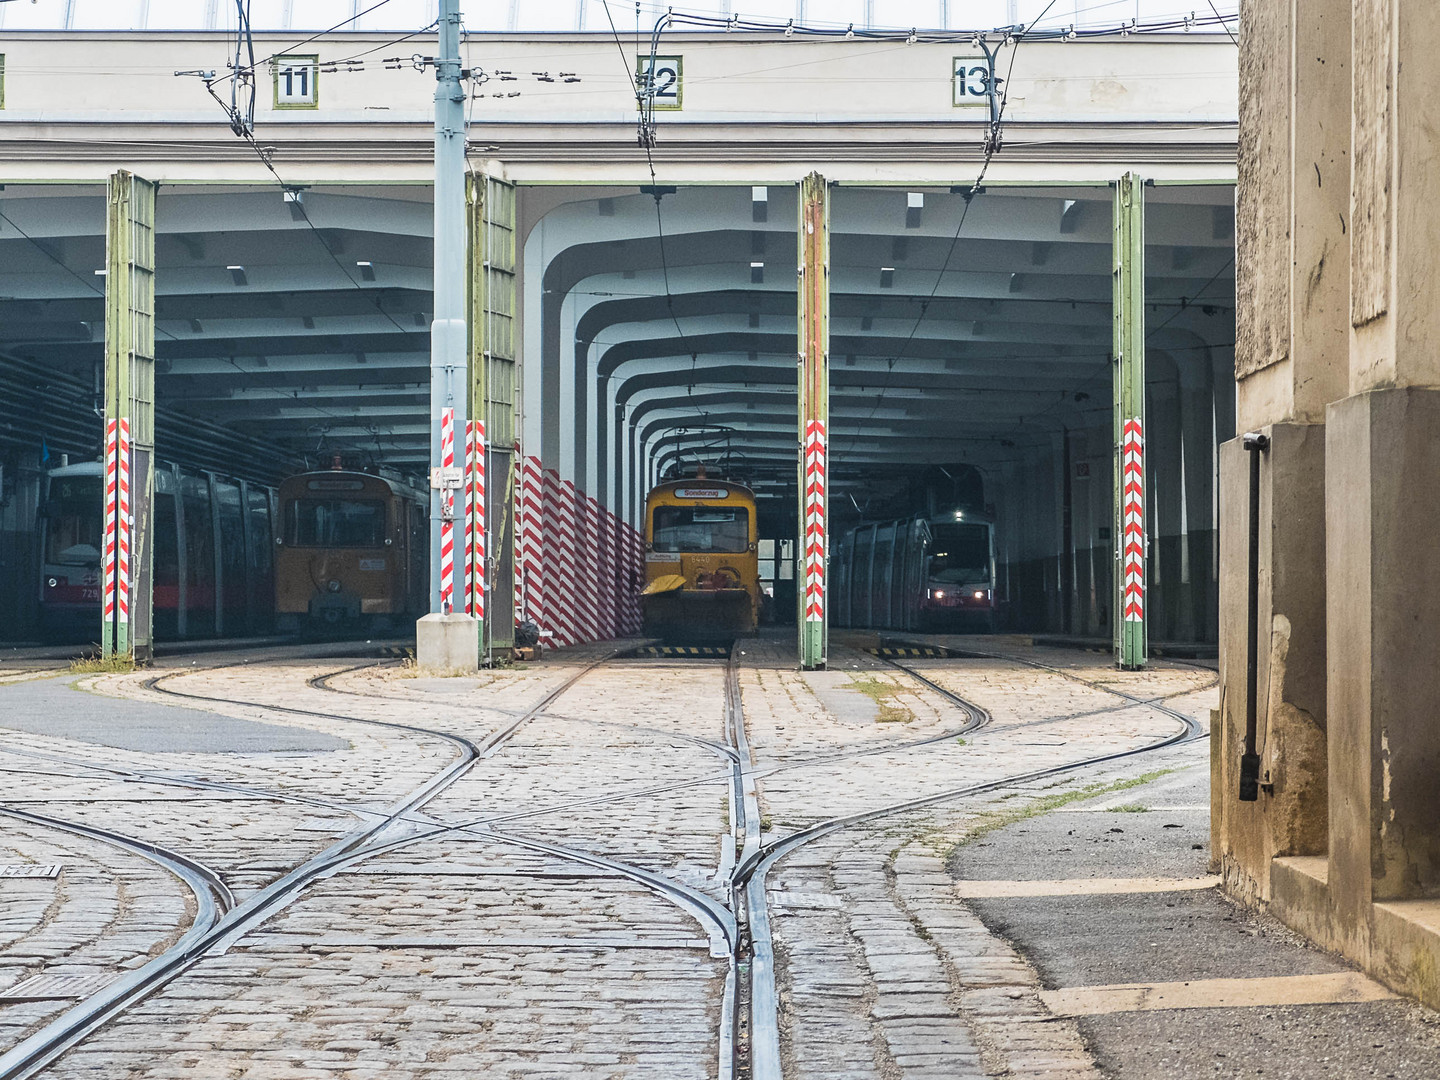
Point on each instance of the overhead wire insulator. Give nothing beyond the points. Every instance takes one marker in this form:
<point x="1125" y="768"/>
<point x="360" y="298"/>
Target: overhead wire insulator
<point x="242" y="86"/>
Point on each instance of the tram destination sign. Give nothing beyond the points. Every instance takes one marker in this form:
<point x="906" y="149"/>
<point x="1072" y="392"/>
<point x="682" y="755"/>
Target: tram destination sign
<point x="701" y="493"/>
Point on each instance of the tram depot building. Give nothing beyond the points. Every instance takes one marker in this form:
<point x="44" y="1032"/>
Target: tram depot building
<point x="852" y="506"/>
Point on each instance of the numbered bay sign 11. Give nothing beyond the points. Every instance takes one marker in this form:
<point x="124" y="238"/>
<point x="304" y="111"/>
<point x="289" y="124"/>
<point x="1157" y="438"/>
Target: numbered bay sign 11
<point x="297" y="80"/>
<point x="667" y="80"/>
<point x="971" y="77"/>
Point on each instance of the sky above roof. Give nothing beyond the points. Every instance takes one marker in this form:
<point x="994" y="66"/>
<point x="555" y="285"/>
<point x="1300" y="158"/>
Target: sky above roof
<point x="592" y="15"/>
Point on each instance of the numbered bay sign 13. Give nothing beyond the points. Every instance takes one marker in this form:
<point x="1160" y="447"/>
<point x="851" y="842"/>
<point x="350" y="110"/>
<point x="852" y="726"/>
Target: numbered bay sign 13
<point x="971" y="76"/>
<point x="296" y="81"/>
<point x="667" y="75"/>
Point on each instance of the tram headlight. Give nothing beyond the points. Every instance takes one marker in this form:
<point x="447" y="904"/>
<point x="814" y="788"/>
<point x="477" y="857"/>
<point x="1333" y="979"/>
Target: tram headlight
<point x="53" y="582"/>
<point x="979" y="594"/>
<point x="939" y="594"/>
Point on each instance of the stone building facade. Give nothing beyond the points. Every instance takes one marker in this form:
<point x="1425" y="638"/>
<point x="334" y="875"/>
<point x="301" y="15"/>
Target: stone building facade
<point x="1338" y="362"/>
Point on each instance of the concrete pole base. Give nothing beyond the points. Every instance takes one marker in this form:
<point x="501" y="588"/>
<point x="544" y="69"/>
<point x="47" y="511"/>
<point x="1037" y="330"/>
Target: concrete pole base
<point x="447" y="644"/>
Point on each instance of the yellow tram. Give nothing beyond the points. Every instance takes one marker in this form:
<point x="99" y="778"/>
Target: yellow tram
<point x="350" y="552"/>
<point x="702" y="579"/>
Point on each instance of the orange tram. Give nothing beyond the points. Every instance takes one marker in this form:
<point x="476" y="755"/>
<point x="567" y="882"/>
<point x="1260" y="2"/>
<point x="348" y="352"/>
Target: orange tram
<point x="350" y="552"/>
<point x="702" y="582"/>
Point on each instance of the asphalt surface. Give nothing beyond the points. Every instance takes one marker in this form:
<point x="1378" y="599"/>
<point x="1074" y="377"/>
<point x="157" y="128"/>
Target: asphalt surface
<point x="56" y="706"/>
<point x="1078" y="941"/>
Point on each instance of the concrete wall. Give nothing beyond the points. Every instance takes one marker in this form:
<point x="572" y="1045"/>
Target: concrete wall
<point x="1339" y="278"/>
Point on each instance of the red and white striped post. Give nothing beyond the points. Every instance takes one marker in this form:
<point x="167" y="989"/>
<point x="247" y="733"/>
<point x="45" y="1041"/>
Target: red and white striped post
<point x="112" y="506"/>
<point x="814" y="393"/>
<point x="475" y="520"/>
<point x="124" y="525"/>
<point x="815" y="538"/>
<point x="447" y="512"/>
<point x="1130" y="632"/>
<point x="1132" y="472"/>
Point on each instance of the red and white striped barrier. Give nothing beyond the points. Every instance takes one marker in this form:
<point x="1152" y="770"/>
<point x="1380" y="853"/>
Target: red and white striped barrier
<point x="529" y="522"/>
<point x="578" y="567"/>
<point x="815" y="491"/>
<point x="447" y="523"/>
<point x="112" y="506"/>
<point x="1132" y="478"/>
<point x="475" y="519"/>
<point x="563" y="604"/>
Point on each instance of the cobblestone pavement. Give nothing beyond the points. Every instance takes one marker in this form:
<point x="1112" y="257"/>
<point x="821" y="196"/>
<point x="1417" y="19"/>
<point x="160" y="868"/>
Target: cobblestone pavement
<point x="517" y="923"/>
<point x="883" y="972"/>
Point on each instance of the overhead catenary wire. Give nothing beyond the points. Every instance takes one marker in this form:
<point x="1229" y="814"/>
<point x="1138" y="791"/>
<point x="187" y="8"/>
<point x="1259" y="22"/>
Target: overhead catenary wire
<point x="280" y="393"/>
<point x="655" y="190"/>
<point x="1012" y="35"/>
<point x="305" y="217"/>
<point x="1183" y="304"/>
<point x="916" y="35"/>
<point x="1186" y="301"/>
<point x="992" y="147"/>
<point x="1230" y="33"/>
<point x="303" y="42"/>
<point x="64" y="266"/>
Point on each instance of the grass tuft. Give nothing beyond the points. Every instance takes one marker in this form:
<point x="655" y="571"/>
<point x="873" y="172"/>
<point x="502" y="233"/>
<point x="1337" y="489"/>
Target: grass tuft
<point x="883" y="694"/>
<point x="119" y="663"/>
<point x="998" y="819"/>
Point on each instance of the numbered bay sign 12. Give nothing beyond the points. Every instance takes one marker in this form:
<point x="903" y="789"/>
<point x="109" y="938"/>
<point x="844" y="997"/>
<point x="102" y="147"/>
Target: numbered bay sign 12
<point x="667" y="76"/>
<point x="971" y="76"/>
<point x="296" y="81"/>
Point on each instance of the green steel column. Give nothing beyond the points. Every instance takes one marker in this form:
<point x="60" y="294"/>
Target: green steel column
<point x="1131" y="544"/>
<point x="814" y="378"/>
<point x="493" y="396"/>
<point x="130" y="404"/>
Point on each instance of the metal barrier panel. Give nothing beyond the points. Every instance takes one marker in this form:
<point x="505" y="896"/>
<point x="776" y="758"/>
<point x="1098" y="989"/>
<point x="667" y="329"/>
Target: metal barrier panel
<point x="492" y="224"/>
<point x="128" y="606"/>
<point x="814" y="365"/>
<point x="1131" y="639"/>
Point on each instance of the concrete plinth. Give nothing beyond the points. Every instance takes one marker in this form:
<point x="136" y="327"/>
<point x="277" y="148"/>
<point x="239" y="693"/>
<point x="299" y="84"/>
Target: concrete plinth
<point x="1383" y="498"/>
<point x="447" y="643"/>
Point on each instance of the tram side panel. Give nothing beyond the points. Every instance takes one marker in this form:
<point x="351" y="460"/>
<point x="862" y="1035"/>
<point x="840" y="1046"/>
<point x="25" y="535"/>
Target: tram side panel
<point x="190" y="512"/>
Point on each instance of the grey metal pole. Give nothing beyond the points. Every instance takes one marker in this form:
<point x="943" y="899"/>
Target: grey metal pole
<point x="447" y="330"/>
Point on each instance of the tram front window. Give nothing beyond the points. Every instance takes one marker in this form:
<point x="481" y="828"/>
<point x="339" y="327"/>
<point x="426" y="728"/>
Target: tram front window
<point x="72" y="530"/>
<point x="961" y="553"/>
<point x="700" y="529"/>
<point x="337" y="523"/>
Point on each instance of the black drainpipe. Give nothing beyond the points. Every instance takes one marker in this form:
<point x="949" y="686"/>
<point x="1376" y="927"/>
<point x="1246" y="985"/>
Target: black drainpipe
<point x="1255" y="443"/>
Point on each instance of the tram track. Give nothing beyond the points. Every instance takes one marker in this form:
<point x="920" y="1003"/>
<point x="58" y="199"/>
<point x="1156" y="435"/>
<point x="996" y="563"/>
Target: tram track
<point x="214" y="935"/>
<point x="213" y="900"/>
<point x="764" y="1060"/>
<point x="740" y="929"/>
